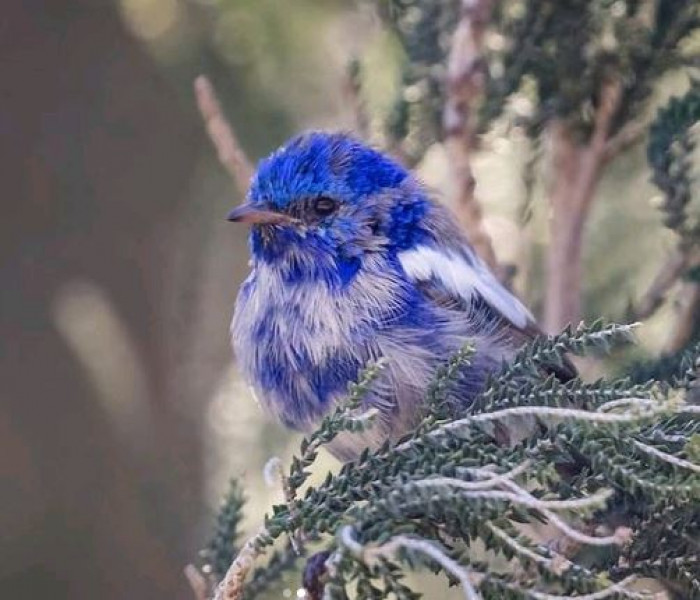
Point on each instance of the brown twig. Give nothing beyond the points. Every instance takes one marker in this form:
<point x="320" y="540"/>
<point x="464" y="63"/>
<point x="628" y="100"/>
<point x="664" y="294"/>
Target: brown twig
<point x="654" y="297"/>
<point x="229" y="150"/>
<point x="198" y="582"/>
<point x="610" y="98"/>
<point x="686" y="316"/>
<point x="465" y="80"/>
<point x="231" y="587"/>
<point x="628" y="136"/>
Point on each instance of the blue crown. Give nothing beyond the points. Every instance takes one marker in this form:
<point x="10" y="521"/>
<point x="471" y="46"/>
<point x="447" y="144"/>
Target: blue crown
<point x="318" y="163"/>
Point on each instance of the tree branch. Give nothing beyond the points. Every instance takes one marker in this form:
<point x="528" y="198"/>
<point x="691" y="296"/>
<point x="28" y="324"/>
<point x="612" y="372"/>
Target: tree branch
<point x="654" y="297"/>
<point x="610" y="99"/>
<point x="221" y="134"/>
<point x="628" y="136"/>
<point x="198" y="583"/>
<point x="465" y="80"/>
<point x="231" y="587"/>
<point x="687" y="316"/>
<point x="577" y="174"/>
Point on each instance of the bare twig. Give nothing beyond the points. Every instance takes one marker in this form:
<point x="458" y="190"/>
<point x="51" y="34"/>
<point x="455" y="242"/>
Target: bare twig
<point x="231" y="586"/>
<point x="198" y="582"/>
<point x="610" y="98"/>
<point x="636" y="412"/>
<point x="389" y="549"/>
<point x="522" y="498"/>
<point x="229" y="150"/>
<point x="670" y="272"/>
<point x="465" y="80"/>
<point x="556" y="564"/>
<point x="616" y="589"/>
<point x="628" y="136"/>
<point x="687" y="316"/>
<point x="681" y="463"/>
<point x="667" y="276"/>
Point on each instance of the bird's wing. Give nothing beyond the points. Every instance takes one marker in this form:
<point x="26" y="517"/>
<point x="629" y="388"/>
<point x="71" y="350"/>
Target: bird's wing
<point x="465" y="278"/>
<point x="456" y="279"/>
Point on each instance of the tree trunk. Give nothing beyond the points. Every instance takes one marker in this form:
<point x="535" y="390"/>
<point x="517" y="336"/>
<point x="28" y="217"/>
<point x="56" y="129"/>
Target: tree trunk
<point x="576" y="174"/>
<point x="564" y="267"/>
<point x="577" y="169"/>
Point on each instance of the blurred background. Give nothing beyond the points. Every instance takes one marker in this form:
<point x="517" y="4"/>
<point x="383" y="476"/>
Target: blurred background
<point x="121" y="413"/>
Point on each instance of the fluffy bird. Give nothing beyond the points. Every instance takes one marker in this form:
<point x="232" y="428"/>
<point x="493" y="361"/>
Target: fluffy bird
<point x="352" y="260"/>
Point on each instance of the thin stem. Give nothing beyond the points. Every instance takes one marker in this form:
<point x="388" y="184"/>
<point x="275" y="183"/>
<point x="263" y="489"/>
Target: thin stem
<point x="621" y="588"/>
<point x="558" y="564"/>
<point x="221" y="134"/>
<point x="231" y="586"/>
<point x="389" y="549"/>
<point x="197" y="581"/>
<point x="667" y="458"/>
<point x="520" y="497"/>
<point x="561" y="414"/>
<point x="668" y="274"/>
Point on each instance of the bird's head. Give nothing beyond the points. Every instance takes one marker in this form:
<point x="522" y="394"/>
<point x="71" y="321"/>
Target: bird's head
<point x="324" y="201"/>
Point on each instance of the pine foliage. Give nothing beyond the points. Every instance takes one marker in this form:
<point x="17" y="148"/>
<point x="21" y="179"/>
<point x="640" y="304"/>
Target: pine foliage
<point x="607" y="470"/>
<point x="221" y="550"/>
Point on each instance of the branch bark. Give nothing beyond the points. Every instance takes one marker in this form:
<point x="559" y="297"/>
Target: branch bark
<point x="232" y="585"/>
<point x="221" y="134"/>
<point x="628" y="136"/>
<point x="465" y="80"/>
<point x="688" y="308"/>
<point x="577" y="170"/>
<point x="687" y="316"/>
<point x="198" y="583"/>
<point x="654" y="297"/>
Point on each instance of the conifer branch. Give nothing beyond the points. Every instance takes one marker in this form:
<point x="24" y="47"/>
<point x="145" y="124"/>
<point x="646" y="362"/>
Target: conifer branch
<point x="389" y="549"/>
<point x="424" y="500"/>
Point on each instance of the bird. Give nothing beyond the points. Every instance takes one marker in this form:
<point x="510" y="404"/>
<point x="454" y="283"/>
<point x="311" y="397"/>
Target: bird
<point x="354" y="260"/>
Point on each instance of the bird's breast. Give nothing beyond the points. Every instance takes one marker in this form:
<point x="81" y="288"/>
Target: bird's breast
<point x="299" y="345"/>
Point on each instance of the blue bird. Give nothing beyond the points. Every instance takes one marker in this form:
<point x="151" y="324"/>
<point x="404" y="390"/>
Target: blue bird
<point x="352" y="260"/>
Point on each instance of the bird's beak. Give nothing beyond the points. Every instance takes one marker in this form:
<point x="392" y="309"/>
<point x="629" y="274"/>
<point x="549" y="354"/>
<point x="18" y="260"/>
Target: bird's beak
<point x="245" y="213"/>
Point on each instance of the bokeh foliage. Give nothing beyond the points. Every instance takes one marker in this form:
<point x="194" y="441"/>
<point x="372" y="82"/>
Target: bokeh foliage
<point x="554" y="54"/>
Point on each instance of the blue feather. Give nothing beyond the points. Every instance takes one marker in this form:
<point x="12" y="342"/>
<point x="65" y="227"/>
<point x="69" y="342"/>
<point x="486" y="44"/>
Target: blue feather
<point x="382" y="270"/>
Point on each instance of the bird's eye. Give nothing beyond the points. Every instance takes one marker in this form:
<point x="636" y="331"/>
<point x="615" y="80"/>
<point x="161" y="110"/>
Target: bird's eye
<point x="324" y="206"/>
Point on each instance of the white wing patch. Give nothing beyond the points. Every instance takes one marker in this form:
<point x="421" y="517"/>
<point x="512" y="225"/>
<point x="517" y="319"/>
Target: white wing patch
<point x="425" y="263"/>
